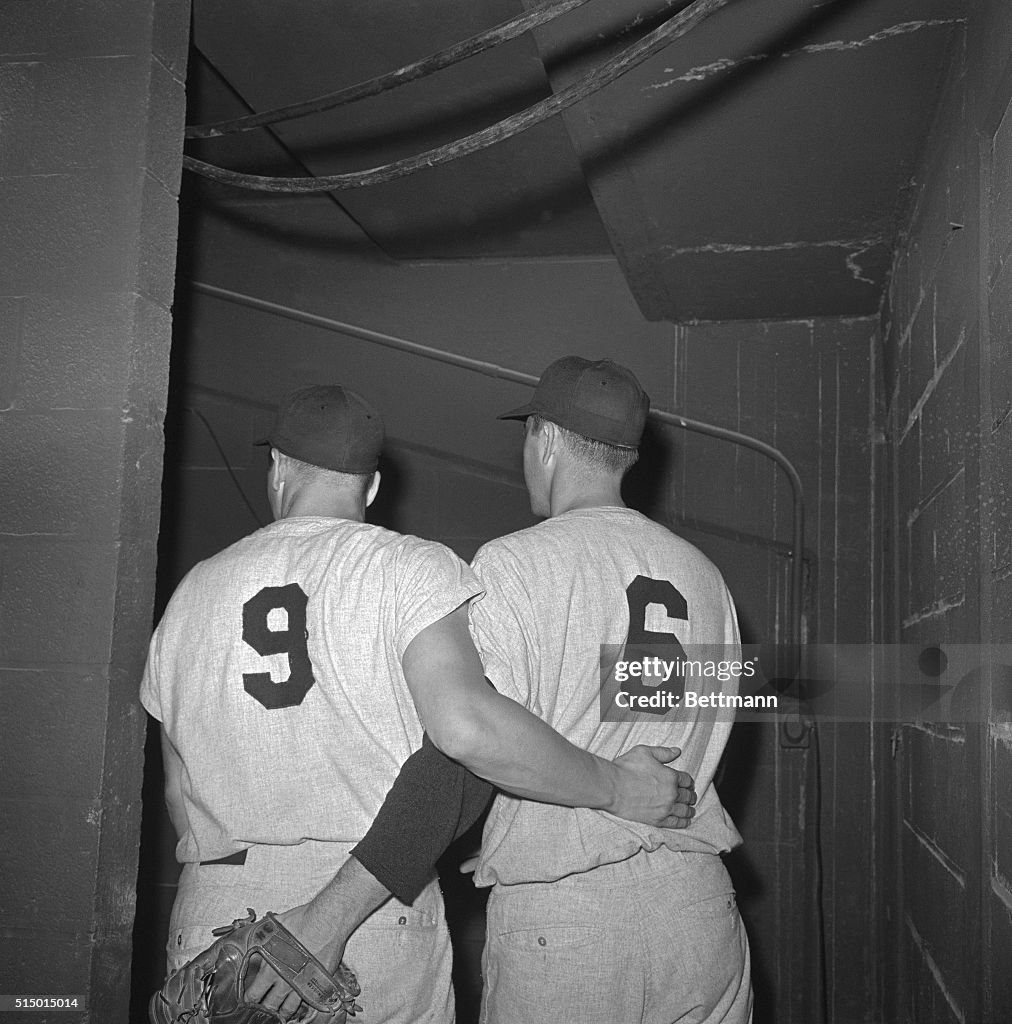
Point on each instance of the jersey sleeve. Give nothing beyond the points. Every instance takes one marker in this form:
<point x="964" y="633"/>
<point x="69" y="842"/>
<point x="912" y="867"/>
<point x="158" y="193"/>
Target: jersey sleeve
<point x="150" y="695"/>
<point x="503" y="626"/>
<point x="432" y="581"/>
<point x="432" y="802"/>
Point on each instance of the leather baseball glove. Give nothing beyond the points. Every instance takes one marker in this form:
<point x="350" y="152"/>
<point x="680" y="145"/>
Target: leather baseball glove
<point x="211" y="987"/>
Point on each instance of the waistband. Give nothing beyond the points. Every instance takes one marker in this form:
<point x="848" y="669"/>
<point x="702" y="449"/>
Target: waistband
<point x="272" y="877"/>
<point x="679" y="866"/>
<point x="311" y="855"/>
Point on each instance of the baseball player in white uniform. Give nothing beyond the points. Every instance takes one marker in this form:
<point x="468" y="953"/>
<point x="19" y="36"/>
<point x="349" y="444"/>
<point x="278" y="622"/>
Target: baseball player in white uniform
<point x="593" y="919"/>
<point x="292" y="674"/>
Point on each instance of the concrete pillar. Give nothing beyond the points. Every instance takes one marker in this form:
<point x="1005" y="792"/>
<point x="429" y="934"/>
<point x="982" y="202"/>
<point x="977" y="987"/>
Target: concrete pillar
<point x="91" y="114"/>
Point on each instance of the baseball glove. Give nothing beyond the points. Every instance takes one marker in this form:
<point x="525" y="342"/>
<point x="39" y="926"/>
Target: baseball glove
<point x="211" y="987"/>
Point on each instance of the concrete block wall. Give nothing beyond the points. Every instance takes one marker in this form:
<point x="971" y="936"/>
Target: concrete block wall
<point x="806" y="388"/>
<point x="91" y="108"/>
<point x="947" y="380"/>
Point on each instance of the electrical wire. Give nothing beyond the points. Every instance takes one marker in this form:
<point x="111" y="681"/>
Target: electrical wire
<point x="224" y="458"/>
<point x="501" y="33"/>
<point x="675" y="27"/>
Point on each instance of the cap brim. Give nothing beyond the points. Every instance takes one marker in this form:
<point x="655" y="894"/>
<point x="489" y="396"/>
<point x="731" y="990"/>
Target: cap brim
<point x="520" y="413"/>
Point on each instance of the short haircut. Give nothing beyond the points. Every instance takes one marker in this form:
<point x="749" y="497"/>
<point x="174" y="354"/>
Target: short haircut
<point x="593" y="455"/>
<point x="304" y="472"/>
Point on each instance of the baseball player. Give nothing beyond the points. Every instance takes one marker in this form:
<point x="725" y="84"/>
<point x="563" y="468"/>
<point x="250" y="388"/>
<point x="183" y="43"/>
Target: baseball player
<point x="593" y="919"/>
<point x="293" y="673"/>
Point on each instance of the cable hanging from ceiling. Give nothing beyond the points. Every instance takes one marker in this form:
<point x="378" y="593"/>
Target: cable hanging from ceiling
<point x="487" y="40"/>
<point x="590" y="83"/>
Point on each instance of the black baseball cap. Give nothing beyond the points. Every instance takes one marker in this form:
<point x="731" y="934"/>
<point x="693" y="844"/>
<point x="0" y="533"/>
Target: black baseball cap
<point x="600" y="400"/>
<point x="329" y="426"/>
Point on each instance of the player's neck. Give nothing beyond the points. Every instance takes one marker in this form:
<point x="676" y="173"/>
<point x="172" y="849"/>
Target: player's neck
<point x="325" y="506"/>
<point x="588" y="494"/>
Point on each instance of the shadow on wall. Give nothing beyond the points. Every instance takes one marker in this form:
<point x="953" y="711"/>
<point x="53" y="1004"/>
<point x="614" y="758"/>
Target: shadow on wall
<point x="389" y="498"/>
<point x="648" y="483"/>
<point x="156" y="883"/>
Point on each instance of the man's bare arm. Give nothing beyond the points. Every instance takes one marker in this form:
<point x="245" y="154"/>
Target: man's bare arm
<point x="324" y="926"/>
<point x="172" y="766"/>
<point x="503" y="742"/>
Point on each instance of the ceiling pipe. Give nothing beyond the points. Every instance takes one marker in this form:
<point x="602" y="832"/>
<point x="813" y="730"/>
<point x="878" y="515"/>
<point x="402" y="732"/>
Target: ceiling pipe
<point x="504" y="373"/>
<point x="470" y="47"/>
<point x="588" y="84"/>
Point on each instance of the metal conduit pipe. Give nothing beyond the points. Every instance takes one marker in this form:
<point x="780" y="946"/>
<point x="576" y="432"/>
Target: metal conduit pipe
<point x="504" y="373"/>
<point x="797" y="494"/>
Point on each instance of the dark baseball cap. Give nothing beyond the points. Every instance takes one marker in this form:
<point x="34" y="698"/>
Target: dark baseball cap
<point x="329" y="426"/>
<point x="600" y="400"/>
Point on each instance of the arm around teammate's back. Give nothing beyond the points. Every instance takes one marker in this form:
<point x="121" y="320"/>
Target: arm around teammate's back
<point x="501" y="741"/>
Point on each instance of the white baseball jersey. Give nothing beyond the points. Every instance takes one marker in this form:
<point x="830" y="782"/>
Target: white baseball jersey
<point x="276" y="672"/>
<point x="554" y="594"/>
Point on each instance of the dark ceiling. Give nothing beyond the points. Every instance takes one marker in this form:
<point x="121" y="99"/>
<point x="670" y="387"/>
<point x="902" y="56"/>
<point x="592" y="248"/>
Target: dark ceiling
<point x="758" y="168"/>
